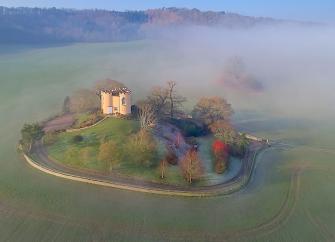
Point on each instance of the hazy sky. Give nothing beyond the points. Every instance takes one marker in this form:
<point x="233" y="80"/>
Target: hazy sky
<point x="314" y="10"/>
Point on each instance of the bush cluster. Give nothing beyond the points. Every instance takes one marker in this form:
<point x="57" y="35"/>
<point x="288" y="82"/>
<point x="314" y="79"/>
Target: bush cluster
<point x="221" y="156"/>
<point x="171" y="157"/>
<point x="139" y="149"/>
<point x="77" y="138"/>
<point x="92" y="119"/>
<point x="188" y="127"/>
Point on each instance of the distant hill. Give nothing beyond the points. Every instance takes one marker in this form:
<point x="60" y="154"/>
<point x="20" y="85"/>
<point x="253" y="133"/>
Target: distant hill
<point x="36" y="25"/>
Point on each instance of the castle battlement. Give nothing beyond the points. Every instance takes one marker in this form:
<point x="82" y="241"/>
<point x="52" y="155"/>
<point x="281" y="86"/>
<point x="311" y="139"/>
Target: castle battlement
<point x="116" y="101"/>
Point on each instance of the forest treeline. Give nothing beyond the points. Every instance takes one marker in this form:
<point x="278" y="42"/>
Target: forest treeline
<point x="45" y="25"/>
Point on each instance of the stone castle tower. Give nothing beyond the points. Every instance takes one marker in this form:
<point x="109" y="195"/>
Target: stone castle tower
<point x="116" y="101"/>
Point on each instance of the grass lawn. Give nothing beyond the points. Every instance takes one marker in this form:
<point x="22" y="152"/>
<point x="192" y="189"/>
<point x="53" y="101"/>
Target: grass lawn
<point x="80" y="118"/>
<point x="84" y="154"/>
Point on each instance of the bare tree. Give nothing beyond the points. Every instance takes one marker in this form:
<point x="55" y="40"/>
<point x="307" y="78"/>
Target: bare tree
<point x="165" y="100"/>
<point x="162" y="167"/>
<point x="147" y="115"/>
<point x="175" y="100"/>
<point x="158" y="99"/>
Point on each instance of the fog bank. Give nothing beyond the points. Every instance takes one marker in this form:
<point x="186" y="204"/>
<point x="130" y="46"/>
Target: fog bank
<point x="284" y="70"/>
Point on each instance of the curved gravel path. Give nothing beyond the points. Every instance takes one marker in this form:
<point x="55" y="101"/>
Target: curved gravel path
<point x="44" y="163"/>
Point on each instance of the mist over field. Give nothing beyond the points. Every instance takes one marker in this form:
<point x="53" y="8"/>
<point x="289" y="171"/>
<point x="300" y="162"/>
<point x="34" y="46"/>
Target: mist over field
<point x="284" y="69"/>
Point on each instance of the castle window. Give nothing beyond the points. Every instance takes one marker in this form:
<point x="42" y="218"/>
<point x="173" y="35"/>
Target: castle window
<point x="123" y="101"/>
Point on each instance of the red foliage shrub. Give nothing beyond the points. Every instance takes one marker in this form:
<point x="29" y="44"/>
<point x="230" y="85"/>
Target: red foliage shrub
<point x="219" y="149"/>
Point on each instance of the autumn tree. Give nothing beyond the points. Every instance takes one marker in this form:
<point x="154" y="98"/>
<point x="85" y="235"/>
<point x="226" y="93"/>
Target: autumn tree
<point x="220" y="153"/>
<point x="224" y="131"/>
<point x="84" y="100"/>
<point x="191" y="166"/>
<point x="142" y="148"/>
<point x="110" y="153"/>
<point x="237" y="142"/>
<point x="212" y="109"/>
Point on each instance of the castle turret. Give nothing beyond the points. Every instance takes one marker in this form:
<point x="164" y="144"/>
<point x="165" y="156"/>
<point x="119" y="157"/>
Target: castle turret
<point x="116" y="101"/>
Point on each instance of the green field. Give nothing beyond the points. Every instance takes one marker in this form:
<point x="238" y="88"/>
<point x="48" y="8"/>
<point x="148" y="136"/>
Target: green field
<point x="290" y="197"/>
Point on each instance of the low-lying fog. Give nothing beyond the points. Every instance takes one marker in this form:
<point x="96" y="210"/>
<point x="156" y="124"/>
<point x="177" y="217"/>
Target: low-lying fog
<point x="284" y="70"/>
<point x="280" y="70"/>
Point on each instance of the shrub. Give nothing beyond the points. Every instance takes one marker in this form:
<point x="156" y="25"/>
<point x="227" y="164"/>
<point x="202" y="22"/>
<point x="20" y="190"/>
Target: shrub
<point x="93" y="118"/>
<point x="220" y="165"/>
<point x="86" y="154"/>
<point x="77" y="138"/>
<point x="142" y="149"/>
<point x="239" y="146"/>
<point x="192" y="141"/>
<point x="220" y="153"/>
<point x="171" y="157"/>
<point x="71" y="157"/>
<point x="219" y="148"/>
<point x="110" y="153"/>
<point x="30" y="133"/>
<point x="188" y="127"/>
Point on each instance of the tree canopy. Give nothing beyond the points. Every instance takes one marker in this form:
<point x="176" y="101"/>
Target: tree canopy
<point x="30" y="133"/>
<point x="110" y="153"/>
<point x="212" y="109"/>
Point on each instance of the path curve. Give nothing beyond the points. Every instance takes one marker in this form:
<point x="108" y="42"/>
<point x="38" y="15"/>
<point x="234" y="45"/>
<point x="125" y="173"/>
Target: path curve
<point x="46" y="164"/>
